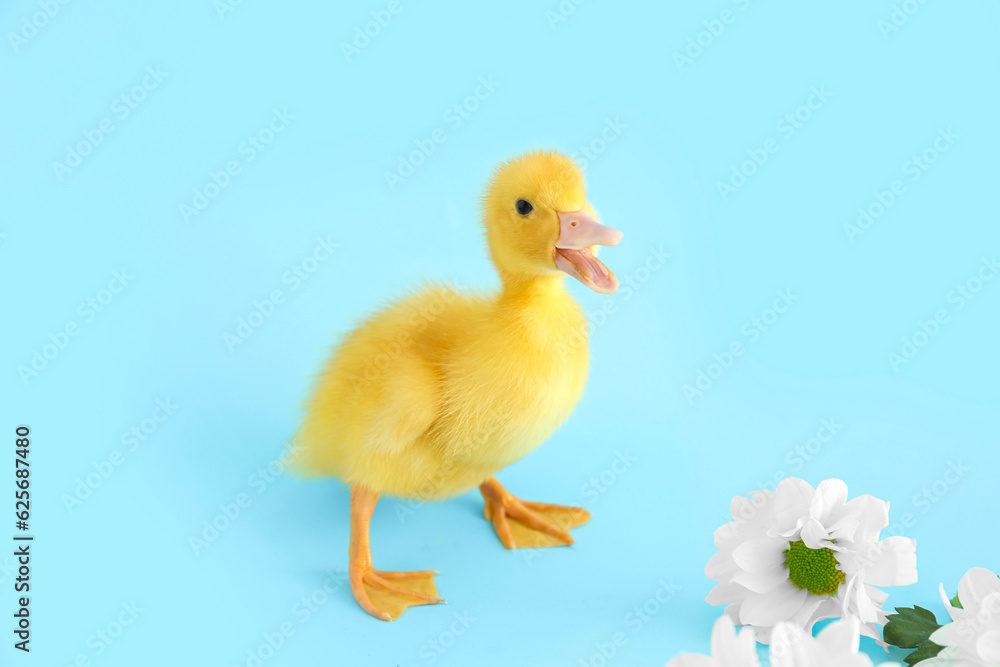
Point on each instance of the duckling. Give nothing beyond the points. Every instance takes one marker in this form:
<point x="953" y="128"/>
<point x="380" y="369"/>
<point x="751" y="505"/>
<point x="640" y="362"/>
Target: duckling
<point x="439" y="390"/>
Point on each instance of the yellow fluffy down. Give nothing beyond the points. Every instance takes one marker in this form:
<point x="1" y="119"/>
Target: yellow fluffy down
<point x="439" y="390"/>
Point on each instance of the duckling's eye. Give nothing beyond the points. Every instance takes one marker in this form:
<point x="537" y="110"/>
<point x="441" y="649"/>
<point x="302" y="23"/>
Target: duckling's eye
<point x="524" y="206"/>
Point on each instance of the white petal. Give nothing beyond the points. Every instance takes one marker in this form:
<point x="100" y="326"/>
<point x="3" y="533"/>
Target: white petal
<point x="763" y="582"/>
<point x="988" y="646"/>
<point x="977" y="584"/>
<point x="723" y="634"/>
<point x="726" y="593"/>
<point x="831" y="494"/>
<point x="856" y="600"/>
<point x="841" y="636"/>
<point x="955" y="612"/>
<point x="786" y="649"/>
<point x="721" y="566"/>
<point x="730" y="649"/>
<point x="760" y="556"/>
<point x="949" y="657"/>
<point x="791" y="503"/>
<point x="727" y="533"/>
<point x="844" y="528"/>
<point x="872" y="515"/>
<point x="877" y="595"/>
<point x="812" y="612"/>
<point x="952" y="634"/>
<point x="866" y="609"/>
<point x="790" y="531"/>
<point x="814" y="535"/>
<point x="768" y="609"/>
<point x="896" y="564"/>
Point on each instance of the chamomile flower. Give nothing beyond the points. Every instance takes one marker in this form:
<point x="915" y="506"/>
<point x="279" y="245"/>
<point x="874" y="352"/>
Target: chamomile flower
<point x="835" y="646"/>
<point x="972" y="639"/>
<point x="801" y="555"/>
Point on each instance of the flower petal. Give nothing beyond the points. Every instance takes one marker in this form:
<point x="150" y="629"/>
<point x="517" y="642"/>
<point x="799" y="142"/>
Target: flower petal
<point x="872" y="515"/>
<point x="844" y="529"/>
<point x="778" y="605"/>
<point x="726" y="593"/>
<point x="760" y="556"/>
<point x="786" y="646"/>
<point x="956" y="613"/>
<point x="812" y="611"/>
<point x="855" y="598"/>
<point x="763" y="582"/>
<point x="831" y="494"/>
<point x="947" y="658"/>
<point x="723" y="634"/>
<point x="841" y="636"/>
<point x="896" y="563"/>
<point x="977" y="584"/>
<point x="988" y="646"/>
<point x="814" y="535"/>
<point x="720" y="566"/>
<point x="791" y="504"/>
<point x="728" y="648"/>
<point x="952" y="634"/>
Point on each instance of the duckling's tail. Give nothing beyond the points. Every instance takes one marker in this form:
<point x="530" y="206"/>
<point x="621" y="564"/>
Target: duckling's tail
<point x="296" y="459"/>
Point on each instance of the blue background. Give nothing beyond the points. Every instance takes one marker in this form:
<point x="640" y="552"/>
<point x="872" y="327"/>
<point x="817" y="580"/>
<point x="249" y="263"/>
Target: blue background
<point x="560" y="82"/>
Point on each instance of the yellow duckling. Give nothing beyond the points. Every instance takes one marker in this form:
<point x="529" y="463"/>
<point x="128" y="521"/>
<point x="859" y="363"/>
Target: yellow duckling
<point x="435" y="393"/>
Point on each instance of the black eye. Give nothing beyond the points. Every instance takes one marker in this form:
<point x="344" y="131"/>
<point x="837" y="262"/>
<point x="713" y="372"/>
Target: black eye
<point x="524" y="206"/>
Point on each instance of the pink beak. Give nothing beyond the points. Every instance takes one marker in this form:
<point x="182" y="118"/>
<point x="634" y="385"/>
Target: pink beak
<point x="578" y="232"/>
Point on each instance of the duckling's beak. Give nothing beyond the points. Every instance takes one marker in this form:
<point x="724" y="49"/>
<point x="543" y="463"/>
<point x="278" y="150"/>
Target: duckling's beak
<point x="576" y="250"/>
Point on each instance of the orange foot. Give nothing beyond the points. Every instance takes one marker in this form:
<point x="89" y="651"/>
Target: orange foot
<point x="382" y="595"/>
<point x="522" y="524"/>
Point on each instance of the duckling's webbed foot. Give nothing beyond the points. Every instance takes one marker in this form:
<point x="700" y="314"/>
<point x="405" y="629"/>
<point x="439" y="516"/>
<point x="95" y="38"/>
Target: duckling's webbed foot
<point x="521" y="524"/>
<point x="384" y="595"/>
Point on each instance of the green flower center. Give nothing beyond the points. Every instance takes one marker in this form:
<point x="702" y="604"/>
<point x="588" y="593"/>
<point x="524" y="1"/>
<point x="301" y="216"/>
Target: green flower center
<point x="813" y="570"/>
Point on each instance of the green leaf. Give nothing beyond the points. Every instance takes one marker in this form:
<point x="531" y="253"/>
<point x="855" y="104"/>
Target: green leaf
<point x="926" y="650"/>
<point x="955" y="602"/>
<point x="910" y="627"/>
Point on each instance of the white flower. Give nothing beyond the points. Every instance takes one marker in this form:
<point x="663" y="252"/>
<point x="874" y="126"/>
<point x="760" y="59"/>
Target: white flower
<point x="835" y="646"/>
<point x="728" y="649"/>
<point x="801" y="555"/>
<point x="972" y="639"/>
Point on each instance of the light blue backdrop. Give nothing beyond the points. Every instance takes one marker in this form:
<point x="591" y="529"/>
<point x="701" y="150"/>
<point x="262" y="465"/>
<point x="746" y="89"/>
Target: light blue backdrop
<point x="734" y="144"/>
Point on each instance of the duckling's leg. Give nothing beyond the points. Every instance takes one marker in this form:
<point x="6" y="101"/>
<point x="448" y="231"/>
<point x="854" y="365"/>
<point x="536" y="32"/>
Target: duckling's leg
<point x="522" y="524"/>
<point x="376" y="591"/>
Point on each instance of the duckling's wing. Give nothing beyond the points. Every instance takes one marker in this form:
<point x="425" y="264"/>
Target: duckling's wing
<point x="409" y="401"/>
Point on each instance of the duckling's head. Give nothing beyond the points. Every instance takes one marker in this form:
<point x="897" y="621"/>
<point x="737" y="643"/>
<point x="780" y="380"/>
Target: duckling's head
<point x="538" y="222"/>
